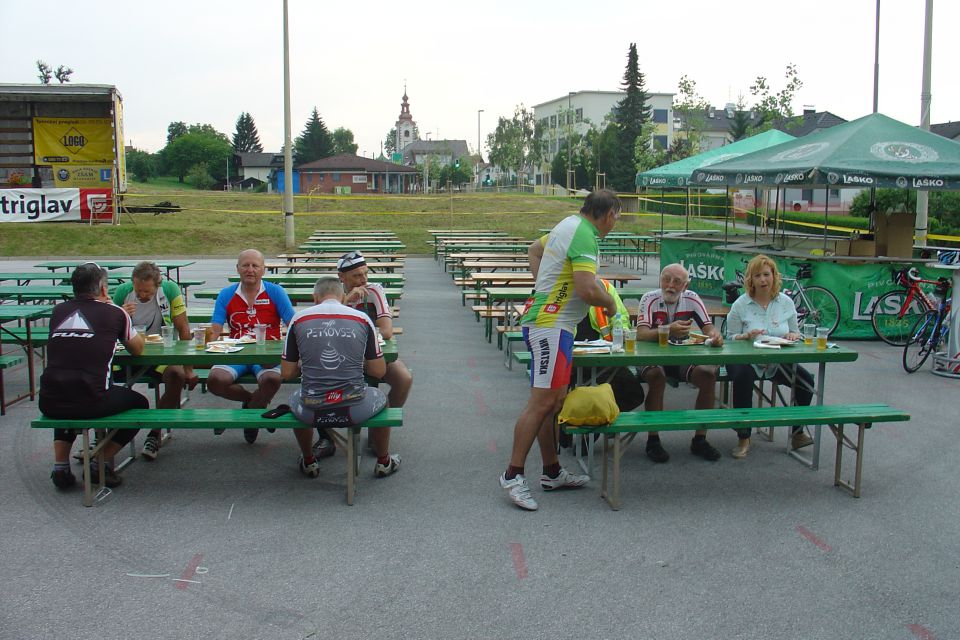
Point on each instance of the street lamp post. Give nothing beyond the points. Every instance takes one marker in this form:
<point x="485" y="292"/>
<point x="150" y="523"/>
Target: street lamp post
<point x="479" y="155"/>
<point x="569" y="93"/>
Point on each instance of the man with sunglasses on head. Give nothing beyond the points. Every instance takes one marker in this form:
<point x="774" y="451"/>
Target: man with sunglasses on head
<point x="153" y="302"/>
<point x="76" y="381"/>
<point x="243" y="306"/>
<point x="564" y="263"/>
<point x="369" y="297"/>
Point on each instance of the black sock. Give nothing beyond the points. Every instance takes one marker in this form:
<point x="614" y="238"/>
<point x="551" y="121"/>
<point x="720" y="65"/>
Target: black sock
<point x="61" y="466"/>
<point x="698" y="438"/>
<point x="512" y="472"/>
<point x="552" y="470"/>
<point x="652" y="439"/>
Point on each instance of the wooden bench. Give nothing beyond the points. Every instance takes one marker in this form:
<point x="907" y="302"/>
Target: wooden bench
<point x="206" y="419"/>
<point x="7" y="361"/>
<point x="620" y="433"/>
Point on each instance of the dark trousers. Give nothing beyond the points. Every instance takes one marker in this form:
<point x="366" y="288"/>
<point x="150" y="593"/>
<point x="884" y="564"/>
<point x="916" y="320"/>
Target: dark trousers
<point x="117" y="400"/>
<point x="742" y="377"/>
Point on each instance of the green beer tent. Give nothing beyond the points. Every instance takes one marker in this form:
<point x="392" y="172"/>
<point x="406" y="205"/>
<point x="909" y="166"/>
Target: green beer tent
<point x="677" y="174"/>
<point x="872" y="151"/>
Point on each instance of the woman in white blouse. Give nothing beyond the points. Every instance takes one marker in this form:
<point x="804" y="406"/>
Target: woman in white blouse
<point x="764" y="311"/>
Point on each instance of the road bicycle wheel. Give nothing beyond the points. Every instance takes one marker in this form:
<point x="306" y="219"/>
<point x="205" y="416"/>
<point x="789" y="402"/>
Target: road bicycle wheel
<point x="887" y="322"/>
<point x="919" y="347"/>
<point x="818" y="306"/>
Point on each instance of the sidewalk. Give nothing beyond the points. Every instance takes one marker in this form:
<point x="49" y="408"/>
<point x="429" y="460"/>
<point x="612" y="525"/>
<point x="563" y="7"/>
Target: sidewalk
<point x="759" y="548"/>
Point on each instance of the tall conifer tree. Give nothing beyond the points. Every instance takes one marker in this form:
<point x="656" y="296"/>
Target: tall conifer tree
<point x="315" y="142"/>
<point x="246" y="139"/>
<point x="630" y="114"/>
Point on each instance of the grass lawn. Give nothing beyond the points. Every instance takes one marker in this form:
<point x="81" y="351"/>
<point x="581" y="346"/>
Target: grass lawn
<point x="216" y="223"/>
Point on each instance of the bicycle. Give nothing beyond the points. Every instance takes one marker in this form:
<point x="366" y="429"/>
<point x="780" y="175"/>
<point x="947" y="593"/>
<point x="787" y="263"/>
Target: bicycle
<point x="895" y="313"/>
<point x="930" y="331"/>
<point x="815" y="304"/>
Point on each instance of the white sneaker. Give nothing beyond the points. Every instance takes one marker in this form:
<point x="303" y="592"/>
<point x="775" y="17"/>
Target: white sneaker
<point x="519" y="492"/>
<point x="151" y="447"/>
<point x="384" y="470"/>
<point x="565" y="480"/>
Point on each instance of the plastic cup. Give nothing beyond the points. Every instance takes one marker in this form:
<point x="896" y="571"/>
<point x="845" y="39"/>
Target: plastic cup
<point x="167" y="332"/>
<point x="260" y="333"/>
<point x="141" y="328"/>
<point x="809" y="331"/>
<point x="630" y="340"/>
<point x="200" y="338"/>
<point x="822" y="334"/>
<point x="663" y="334"/>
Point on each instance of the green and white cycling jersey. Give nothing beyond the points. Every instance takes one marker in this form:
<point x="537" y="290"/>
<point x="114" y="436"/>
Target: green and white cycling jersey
<point x="571" y="246"/>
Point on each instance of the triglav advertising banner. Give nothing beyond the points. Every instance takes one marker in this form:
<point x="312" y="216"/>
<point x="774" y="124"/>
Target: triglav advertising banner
<point x="55" y="205"/>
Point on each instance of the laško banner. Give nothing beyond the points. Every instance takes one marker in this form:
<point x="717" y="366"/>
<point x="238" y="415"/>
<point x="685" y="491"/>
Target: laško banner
<point x="55" y="205"/>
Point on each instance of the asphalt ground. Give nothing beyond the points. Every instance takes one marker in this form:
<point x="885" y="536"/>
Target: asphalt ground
<point x="247" y="547"/>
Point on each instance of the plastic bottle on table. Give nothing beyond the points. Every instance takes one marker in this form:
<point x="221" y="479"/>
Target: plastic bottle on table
<point x="617" y="333"/>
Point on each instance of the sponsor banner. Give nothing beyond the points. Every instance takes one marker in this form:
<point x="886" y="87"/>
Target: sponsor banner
<point x="121" y="149"/>
<point x="73" y="141"/>
<point x="92" y="176"/>
<point x="55" y="205"/>
<point x="704" y="264"/>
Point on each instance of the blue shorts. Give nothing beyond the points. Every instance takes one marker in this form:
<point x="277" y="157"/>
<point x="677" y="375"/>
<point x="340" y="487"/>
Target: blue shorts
<point x="237" y="370"/>
<point x="551" y="356"/>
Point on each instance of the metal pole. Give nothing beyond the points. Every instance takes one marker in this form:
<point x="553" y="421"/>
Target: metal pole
<point x="876" y="90"/>
<point x="287" y="139"/>
<point x="479" y="155"/>
<point x="920" y="227"/>
<point x="569" y="93"/>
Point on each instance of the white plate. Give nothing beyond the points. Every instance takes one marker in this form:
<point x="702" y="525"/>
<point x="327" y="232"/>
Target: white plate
<point x="774" y="340"/>
<point x="214" y="348"/>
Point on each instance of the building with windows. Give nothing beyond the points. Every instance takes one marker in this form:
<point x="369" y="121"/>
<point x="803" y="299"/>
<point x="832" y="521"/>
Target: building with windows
<point x="347" y="173"/>
<point x="578" y="111"/>
<point x="406" y="128"/>
<point x="441" y="152"/>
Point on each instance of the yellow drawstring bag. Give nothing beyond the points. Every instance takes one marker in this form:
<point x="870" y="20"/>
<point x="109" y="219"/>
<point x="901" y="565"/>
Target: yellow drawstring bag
<point x="589" y="406"/>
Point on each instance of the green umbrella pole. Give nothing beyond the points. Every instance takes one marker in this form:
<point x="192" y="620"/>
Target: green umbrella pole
<point x="756" y="212"/>
<point x="687" y="227"/>
<point x="726" y="215"/>
<point x="826" y="209"/>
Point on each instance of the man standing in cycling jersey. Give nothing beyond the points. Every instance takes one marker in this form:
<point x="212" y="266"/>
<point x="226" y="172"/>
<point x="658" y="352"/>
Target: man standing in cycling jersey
<point x="564" y="263"/>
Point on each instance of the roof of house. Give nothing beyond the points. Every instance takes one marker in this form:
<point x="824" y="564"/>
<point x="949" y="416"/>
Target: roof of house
<point x="811" y="122"/>
<point x="349" y="162"/>
<point x="717" y="119"/>
<point x="947" y="129"/>
<point x="453" y="148"/>
<point x="260" y="159"/>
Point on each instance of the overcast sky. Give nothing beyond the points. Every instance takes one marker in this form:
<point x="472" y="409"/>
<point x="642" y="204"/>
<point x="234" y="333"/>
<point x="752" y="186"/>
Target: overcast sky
<point x="208" y="61"/>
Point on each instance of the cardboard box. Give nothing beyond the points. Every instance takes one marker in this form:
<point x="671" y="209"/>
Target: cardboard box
<point x="863" y="246"/>
<point x="895" y="234"/>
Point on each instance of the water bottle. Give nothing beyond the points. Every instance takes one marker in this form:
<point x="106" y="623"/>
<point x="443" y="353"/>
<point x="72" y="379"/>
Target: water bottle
<point x="617" y="346"/>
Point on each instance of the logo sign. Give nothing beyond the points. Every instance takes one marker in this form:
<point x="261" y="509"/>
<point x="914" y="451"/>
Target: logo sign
<point x="752" y="178"/>
<point x="902" y="182"/>
<point x="680" y="182"/>
<point x="655" y="181"/>
<point x="858" y="180"/>
<point x="83" y="176"/>
<point x="833" y="178"/>
<point x="739" y="178"/>
<point x="73" y="141"/>
<point x="48" y="205"/>
<point x="921" y="183"/>
<point x="801" y="152"/>
<point x="904" y="152"/>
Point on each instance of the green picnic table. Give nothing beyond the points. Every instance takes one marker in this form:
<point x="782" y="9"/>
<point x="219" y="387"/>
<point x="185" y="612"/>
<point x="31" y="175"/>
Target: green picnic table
<point x="168" y="265"/>
<point x="297" y="294"/>
<point x="347" y="245"/>
<point x="304" y="279"/>
<point x="23" y="292"/>
<point x="25" y="315"/>
<point x="26" y="277"/>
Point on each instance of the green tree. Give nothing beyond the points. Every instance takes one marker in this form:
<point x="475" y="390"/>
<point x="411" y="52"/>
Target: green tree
<point x="199" y="176"/>
<point x="315" y="142"/>
<point x="45" y="73"/>
<point x="512" y="144"/>
<point x="646" y="154"/>
<point x="141" y="165"/>
<point x="944" y="207"/>
<point x="246" y="139"/>
<point x="691" y="107"/>
<point x="343" y="142"/>
<point x="775" y="108"/>
<point x="201" y="143"/>
<point x="740" y="127"/>
<point x="630" y="115"/>
<point x="175" y="130"/>
<point x="390" y="142"/>
<point x="62" y="74"/>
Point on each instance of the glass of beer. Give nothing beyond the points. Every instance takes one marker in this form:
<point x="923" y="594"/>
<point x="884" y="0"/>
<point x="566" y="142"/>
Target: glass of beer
<point x="663" y="334"/>
<point x="200" y="338"/>
<point x="822" y="334"/>
<point x="630" y="339"/>
<point x="809" y="331"/>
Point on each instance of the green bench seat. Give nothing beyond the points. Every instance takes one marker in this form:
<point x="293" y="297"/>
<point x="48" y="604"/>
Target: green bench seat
<point x="619" y="434"/>
<point x="7" y="360"/>
<point x="207" y="419"/>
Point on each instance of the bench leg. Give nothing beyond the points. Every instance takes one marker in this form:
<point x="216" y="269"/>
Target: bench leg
<point x="87" y="491"/>
<point x="353" y="439"/>
<point x="838" y="481"/>
<point x="614" y="498"/>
